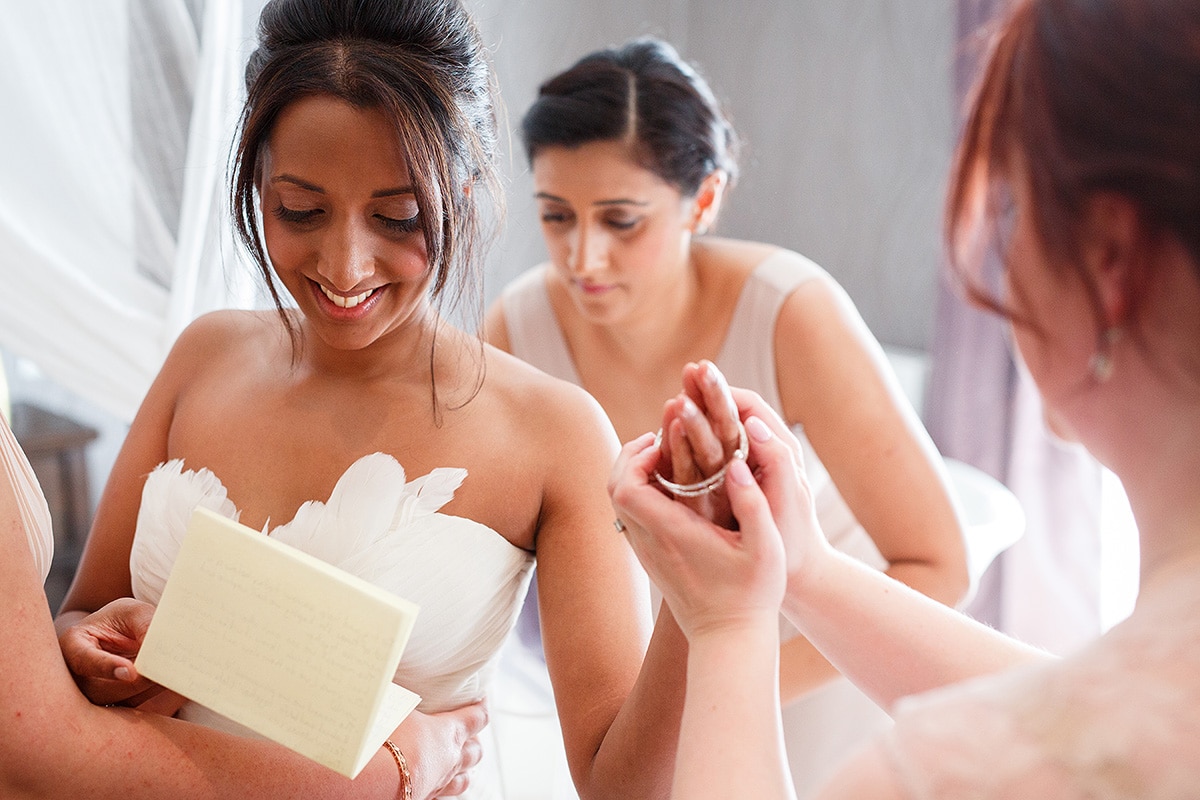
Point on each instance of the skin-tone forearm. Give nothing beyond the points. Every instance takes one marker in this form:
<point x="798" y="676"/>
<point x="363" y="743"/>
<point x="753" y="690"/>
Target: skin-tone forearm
<point x="637" y="756"/>
<point x="924" y="643"/>
<point x="731" y="683"/>
<point x="802" y="668"/>
<point x="122" y="753"/>
<point x="54" y="743"/>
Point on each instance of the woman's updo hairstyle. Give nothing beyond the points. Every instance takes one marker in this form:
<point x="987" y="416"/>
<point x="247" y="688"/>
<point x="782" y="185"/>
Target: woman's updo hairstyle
<point x="644" y="94"/>
<point x="422" y="64"/>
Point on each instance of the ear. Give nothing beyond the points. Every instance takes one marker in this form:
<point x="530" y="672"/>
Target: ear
<point x="707" y="203"/>
<point x="1115" y="247"/>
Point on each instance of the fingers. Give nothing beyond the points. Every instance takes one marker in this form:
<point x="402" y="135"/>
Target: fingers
<point x="473" y="719"/>
<point x="778" y="466"/>
<point x="87" y="657"/>
<point x="705" y="447"/>
<point x="718" y="404"/>
<point x="132" y="619"/>
<point x="751" y="404"/>
<point x="749" y="504"/>
<point x="638" y="446"/>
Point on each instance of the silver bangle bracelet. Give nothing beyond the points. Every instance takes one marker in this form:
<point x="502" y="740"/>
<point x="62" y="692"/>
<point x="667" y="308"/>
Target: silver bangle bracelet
<point x="712" y="482"/>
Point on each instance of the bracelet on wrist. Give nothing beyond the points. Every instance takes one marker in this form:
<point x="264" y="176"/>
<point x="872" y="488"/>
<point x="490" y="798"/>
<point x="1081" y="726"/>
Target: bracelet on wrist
<point x="402" y="765"/>
<point x="712" y="482"/>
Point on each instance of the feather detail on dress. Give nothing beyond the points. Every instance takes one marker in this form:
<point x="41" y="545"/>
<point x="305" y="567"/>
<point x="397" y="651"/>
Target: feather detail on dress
<point x="358" y="512"/>
<point x="428" y="493"/>
<point x="168" y="499"/>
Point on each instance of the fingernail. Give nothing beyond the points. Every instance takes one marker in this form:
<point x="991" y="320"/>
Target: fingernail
<point x="757" y="430"/>
<point x="121" y="673"/>
<point x="710" y="372"/>
<point x="739" y="473"/>
<point x="688" y="409"/>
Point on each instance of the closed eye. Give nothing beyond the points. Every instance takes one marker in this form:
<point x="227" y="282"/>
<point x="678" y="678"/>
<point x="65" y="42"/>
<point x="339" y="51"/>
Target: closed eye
<point x="624" y="224"/>
<point x="554" y="217"/>
<point x="296" y="216"/>
<point x="408" y="225"/>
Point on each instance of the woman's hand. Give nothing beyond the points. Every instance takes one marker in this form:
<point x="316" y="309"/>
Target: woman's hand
<point x="701" y="431"/>
<point x="777" y="461"/>
<point x="712" y="578"/>
<point x="99" y="652"/>
<point x="441" y="749"/>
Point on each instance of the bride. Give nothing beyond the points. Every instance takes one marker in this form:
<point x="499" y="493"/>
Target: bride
<point x="365" y="147"/>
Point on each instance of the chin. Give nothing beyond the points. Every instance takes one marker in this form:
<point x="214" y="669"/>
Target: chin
<point x="1060" y="431"/>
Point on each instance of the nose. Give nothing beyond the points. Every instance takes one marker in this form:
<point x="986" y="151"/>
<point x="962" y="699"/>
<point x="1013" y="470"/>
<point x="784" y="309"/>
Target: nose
<point x="588" y="251"/>
<point x="347" y="257"/>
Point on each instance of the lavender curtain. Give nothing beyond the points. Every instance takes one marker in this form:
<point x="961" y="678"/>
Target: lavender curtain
<point x="982" y="409"/>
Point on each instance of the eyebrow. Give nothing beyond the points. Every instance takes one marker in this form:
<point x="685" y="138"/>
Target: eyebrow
<point x="619" y="201"/>
<point x="312" y="187"/>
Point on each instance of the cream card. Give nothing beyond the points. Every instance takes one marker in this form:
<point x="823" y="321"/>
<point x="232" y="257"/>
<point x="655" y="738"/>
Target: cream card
<point x="293" y="648"/>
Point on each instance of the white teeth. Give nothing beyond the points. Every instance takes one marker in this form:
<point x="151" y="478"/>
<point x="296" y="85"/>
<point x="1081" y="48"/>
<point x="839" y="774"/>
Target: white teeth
<point x="345" y="302"/>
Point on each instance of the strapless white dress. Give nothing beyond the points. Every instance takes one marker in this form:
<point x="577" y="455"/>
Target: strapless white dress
<point x="31" y="503"/>
<point x="468" y="580"/>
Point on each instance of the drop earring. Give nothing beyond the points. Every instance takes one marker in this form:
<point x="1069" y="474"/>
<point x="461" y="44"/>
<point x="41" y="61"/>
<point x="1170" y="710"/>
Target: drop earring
<point x="1101" y="362"/>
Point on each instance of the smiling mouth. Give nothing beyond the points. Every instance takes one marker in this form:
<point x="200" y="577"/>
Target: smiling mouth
<point x="342" y="301"/>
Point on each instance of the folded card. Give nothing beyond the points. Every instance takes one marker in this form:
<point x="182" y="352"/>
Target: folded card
<point x="294" y="649"/>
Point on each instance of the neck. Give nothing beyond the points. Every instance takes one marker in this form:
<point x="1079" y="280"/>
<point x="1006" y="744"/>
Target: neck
<point x="1159" y="466"/>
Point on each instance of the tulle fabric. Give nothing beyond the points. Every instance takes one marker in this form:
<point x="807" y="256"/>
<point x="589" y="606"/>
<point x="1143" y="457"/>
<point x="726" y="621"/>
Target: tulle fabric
<point x="31" y="503"/>
<point x="468" y="580"/>
<point x="1118" y="720"/>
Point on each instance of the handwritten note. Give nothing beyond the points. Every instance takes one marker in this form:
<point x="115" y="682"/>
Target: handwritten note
<point x="281" y="642"/>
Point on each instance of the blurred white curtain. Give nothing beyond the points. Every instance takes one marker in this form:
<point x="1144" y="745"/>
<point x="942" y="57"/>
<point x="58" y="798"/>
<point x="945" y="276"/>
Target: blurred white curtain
<point x="118" y="116"/>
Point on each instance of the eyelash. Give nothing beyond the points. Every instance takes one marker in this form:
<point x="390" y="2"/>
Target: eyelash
<point x="620" y="225"/>
<point x="291" y="215"/>
<point x="297" y="217"/>
<point x="409" y="225"/>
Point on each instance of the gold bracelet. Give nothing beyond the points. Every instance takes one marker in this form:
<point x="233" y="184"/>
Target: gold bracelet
<point x="402" y="765"/>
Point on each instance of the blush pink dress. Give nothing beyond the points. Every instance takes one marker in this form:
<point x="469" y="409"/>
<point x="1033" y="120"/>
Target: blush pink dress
<point x="1118" y="720"/>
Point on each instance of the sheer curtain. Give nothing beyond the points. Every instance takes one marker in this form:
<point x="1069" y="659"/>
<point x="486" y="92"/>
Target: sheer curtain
<point x="113" y="232"/>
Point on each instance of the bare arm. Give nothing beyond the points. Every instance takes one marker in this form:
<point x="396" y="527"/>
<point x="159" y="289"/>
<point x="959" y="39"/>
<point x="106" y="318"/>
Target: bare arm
<point x="903" y="642"/>
<point x="619" y="687"/>
<point x="725" y="587"/>
<point x="53" y="743"/>
<point x="835" y="381"/>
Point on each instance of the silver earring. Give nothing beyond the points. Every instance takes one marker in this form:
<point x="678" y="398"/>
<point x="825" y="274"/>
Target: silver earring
<point x="1101" y="362"/>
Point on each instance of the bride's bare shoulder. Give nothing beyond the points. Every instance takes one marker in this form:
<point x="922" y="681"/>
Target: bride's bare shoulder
<point x="547" y="405"/>
<point x="221" y="335"/>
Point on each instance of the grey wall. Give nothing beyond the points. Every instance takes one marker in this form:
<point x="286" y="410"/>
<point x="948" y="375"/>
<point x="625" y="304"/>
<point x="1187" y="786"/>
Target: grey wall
<point x="845" y="107"/>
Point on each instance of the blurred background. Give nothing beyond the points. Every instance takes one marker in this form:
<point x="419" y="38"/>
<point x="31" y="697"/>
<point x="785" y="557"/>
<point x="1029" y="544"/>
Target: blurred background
<point x="113" y="231"/>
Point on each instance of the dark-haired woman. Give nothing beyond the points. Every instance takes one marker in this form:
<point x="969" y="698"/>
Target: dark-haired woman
<point x="360" y="426"/>
<point x="1079" y="165"/>
<point x="631" y="156"/>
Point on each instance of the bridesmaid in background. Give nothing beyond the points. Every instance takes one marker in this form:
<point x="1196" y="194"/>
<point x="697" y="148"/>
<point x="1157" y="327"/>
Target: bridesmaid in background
<point x="631" y="158"/>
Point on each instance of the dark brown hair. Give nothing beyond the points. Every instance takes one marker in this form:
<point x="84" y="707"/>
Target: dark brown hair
<point x="420" y="62"/>
<point x="644" y="93"/>
<point x="1080" y="97"/>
